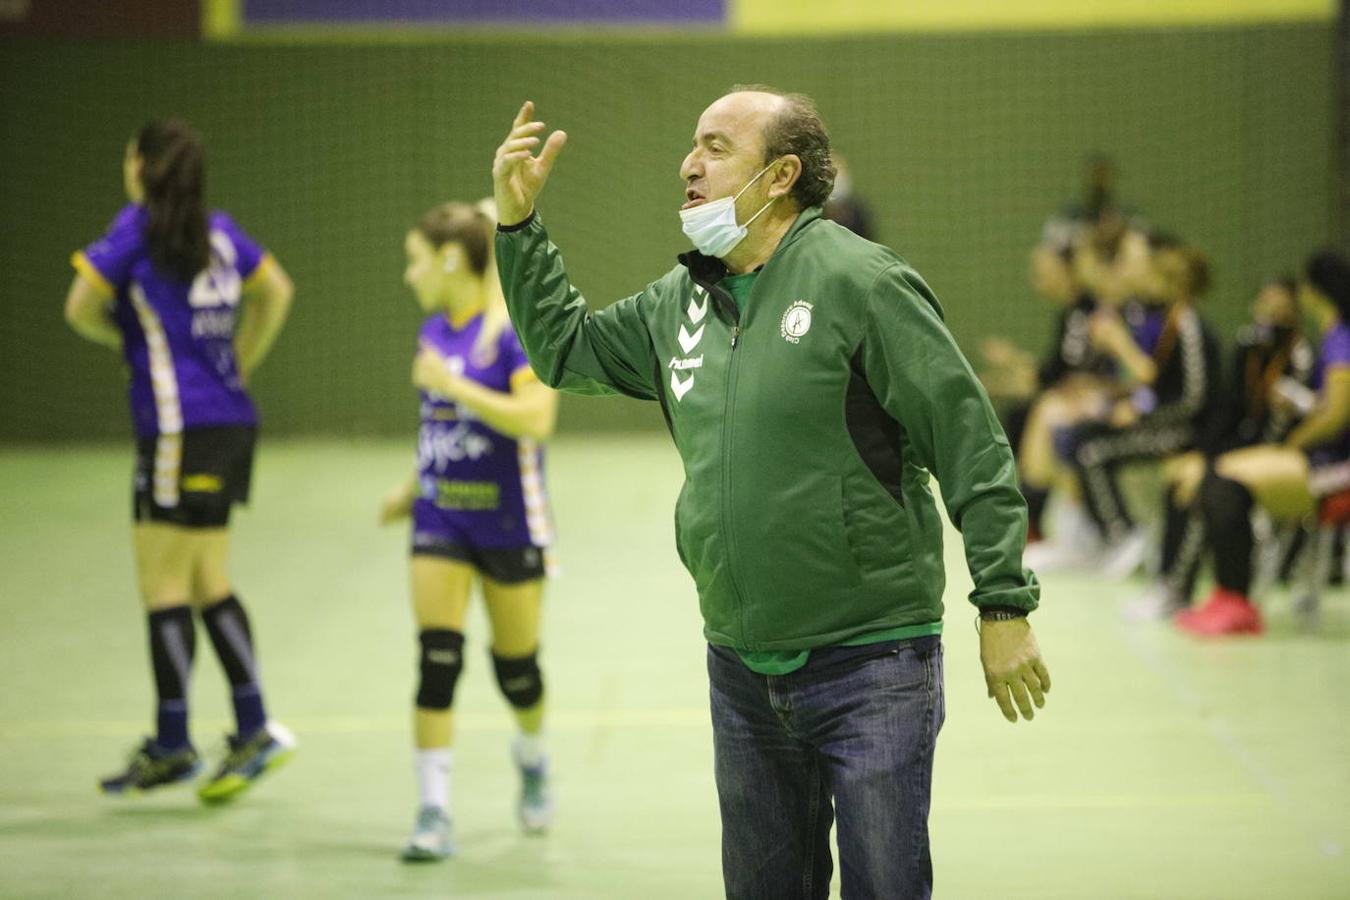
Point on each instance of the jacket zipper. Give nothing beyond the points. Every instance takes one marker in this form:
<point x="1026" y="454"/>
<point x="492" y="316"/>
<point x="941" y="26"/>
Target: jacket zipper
<point x="728" y="414"/>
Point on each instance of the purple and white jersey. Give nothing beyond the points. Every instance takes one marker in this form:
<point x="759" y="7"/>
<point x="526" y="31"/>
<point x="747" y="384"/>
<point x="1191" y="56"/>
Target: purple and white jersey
<point x="480" y="482"/>
<point x="177" y="335"/>
<point x="1334" y="353"/>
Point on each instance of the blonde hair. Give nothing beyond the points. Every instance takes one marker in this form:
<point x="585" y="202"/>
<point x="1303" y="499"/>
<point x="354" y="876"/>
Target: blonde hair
<point x="474" y="228"/>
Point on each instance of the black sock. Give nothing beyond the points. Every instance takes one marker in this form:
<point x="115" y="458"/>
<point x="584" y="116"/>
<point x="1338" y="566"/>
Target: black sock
<point x="1174" y="530"/>
<point x="173" y="643"/>
<point x="1227" y="508"/>
<point x="1183" y="545"/>
<point x="227" y="623"/>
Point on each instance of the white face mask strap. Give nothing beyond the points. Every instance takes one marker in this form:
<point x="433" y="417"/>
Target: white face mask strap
<point x="747" y="187"/>
<point x="750" y="182"/>
<point x="757" y="215"/>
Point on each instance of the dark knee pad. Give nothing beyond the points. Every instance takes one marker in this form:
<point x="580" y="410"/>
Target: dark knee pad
<point x="519" y="679"/>
<point x="441" y="662"/>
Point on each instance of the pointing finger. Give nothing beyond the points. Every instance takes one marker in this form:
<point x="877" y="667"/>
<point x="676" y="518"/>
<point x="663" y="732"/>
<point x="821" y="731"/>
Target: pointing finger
<point x="526" y="111"/>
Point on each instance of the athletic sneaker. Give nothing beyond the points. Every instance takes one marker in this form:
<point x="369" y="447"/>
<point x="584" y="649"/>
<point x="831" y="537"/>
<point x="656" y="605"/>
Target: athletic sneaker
<point x="1156" y="604"/>
<point x="151" y="766"/>
<point x="1058" y="555"/>
<point x="1225" y="612"/>
<point x="248" y="758"/>
<point x="430" y="841"/>
<point x="535" y="808"/>
<point x="1307" y="609"/>
<point x="1124" y="557"/>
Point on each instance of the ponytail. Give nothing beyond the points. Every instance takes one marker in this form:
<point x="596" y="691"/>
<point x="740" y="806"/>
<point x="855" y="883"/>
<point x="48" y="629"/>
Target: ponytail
<point x="173" y="174"/>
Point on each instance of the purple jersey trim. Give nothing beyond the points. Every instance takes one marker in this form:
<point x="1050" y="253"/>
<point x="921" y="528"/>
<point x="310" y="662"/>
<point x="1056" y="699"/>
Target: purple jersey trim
<point x="1334" y="353"/>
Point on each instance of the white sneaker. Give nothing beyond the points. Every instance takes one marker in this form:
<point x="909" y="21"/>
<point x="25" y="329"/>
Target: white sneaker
<point x="1156" y="604"/>
<point x="1124" y="558"/>
<point x="535" y="808"/>
<point x="1058" y="555"/>
<point x="430" y="841"/>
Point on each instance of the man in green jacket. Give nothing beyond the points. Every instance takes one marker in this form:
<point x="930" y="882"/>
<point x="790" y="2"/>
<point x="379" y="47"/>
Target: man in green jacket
<point x="810" y="387"/>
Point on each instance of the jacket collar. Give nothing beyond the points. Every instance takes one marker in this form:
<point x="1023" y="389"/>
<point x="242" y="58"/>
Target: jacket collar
<point x="706" y="271"/>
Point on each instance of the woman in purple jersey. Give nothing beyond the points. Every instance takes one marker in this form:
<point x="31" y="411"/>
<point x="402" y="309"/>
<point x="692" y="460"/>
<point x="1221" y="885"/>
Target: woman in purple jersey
<point x="193" y="305"/>
<point x="1287" y="479"/>
<point x="478" y="508"/>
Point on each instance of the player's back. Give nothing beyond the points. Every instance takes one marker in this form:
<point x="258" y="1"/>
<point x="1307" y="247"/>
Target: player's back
<point x="177" y="334"/>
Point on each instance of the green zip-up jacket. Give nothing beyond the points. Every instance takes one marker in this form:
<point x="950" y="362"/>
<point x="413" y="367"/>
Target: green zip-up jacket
<point x="808" y="425"/>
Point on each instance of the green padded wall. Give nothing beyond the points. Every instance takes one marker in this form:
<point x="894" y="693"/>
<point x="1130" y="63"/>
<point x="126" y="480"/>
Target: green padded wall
<point x="963" y="144"/>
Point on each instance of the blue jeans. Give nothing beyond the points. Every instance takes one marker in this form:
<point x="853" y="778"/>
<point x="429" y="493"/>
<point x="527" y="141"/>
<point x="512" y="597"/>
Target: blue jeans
<point x="850" y="735"/>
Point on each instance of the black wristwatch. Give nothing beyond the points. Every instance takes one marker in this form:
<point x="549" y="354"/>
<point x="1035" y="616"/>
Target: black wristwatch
<point x="1001" y="613"/>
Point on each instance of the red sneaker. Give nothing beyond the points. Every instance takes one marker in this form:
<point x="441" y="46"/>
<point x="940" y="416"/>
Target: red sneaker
<point x="1225" y="612"/>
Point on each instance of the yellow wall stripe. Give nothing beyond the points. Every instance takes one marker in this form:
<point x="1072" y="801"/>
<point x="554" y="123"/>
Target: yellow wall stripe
<point x="222" y="18"/>
<point x="813" y="16"/>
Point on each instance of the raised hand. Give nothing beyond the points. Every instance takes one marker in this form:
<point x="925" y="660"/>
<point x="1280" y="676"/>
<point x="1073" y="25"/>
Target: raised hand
<point x="517" y="174"/>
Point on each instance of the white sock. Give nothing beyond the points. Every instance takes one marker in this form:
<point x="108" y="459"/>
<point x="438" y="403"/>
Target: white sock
<point x="433" y="776"/>
<point x="530" y="749"/>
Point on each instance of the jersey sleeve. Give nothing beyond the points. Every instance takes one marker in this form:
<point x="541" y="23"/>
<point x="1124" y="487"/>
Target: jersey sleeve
<point x="1336" y="350"/>
<point x="107" y="261"/>
<point x="250" y="258"/>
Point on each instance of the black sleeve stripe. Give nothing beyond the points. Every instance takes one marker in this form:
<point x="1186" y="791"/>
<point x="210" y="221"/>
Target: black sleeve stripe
<point x="507" y="229"/>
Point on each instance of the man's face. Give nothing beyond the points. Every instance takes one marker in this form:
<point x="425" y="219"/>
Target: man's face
<point x="728" y="149"/>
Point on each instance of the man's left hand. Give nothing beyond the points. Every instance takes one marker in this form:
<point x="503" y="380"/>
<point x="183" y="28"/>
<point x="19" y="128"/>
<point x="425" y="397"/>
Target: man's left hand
<point x="1013" y="671"/>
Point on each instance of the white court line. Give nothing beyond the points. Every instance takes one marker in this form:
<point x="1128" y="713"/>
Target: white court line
<point x="1224" y="736"/>
<point x="676" y="717"/>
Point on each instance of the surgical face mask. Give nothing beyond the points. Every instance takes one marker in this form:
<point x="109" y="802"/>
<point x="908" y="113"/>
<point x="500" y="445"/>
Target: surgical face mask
<point x="712" y="225"/>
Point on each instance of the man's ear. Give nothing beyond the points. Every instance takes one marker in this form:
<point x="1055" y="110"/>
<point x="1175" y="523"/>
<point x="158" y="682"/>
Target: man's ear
<point x="785" y="176"/>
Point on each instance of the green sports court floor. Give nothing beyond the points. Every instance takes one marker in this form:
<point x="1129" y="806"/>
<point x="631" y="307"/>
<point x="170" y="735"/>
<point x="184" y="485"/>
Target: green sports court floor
<point x="1161" y="768"/>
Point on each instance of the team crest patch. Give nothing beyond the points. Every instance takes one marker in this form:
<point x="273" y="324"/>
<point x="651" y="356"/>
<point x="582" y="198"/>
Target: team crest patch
<point x="796" y="321"/>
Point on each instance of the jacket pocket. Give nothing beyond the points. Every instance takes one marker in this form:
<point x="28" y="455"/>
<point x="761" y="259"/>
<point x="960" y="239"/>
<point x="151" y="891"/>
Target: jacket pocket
<point x="875" y="526"/>
<point x="806" y="529"/>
